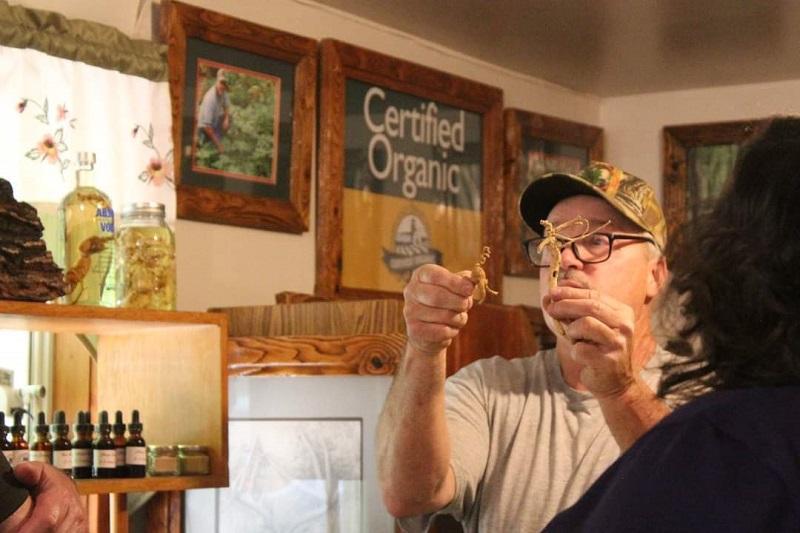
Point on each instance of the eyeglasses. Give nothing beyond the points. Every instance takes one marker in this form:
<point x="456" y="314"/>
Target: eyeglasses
<point x="594" y="248"/>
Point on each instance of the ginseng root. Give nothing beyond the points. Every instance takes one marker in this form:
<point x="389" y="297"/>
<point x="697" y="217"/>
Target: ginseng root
<point x="478" y="277"/>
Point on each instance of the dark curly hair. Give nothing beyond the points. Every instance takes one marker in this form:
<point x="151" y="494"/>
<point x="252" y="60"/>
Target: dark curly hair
<point x="736" y="275"/>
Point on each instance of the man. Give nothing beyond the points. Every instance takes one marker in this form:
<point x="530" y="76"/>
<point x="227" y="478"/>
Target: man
<point x="504" y="445"/>
<point x="51" y="502"/>
<point x="214" y="118"/>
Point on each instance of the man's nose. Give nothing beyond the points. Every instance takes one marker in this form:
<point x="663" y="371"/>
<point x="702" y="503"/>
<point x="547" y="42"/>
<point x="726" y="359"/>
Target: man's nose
<point x="568" y="258"/>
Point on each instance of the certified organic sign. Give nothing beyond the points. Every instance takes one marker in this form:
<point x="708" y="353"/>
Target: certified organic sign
<point x="412" y="191"/>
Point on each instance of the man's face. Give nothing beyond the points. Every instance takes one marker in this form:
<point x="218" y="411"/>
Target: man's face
<point x="629" y="275"/>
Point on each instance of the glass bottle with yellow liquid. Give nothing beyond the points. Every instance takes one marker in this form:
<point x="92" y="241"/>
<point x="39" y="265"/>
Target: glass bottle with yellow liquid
<point x="87" y="220"/>
<point x="145" y="258"/>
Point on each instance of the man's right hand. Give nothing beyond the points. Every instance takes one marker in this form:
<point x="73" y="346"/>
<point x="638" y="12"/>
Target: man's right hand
<point x="436" y="305"/>
<point x="57" y="507"/>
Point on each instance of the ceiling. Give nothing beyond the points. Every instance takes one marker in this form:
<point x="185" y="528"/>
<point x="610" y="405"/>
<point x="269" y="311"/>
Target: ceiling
<point x="609" y="47"/>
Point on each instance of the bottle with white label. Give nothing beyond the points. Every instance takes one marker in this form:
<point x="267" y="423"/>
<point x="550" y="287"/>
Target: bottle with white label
<point x="18" y="441"/>
<point x="62" y="447"/>
<point x="135" y="449"/>
<point x="42" y="449"/>
<point x="119" y="444"/>
<point x="6" y="447"/>
<point x="104" y="460"/>
<point x="82" y="448"/>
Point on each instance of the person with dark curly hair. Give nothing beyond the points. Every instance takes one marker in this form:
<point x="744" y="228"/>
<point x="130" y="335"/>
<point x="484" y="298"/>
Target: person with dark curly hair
<point x="729" y="460"/>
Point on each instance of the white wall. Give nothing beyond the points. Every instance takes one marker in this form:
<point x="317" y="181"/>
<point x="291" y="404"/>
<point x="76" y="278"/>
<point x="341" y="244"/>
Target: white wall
<point x="226" y="266"/>
<point x="633" y="124"/>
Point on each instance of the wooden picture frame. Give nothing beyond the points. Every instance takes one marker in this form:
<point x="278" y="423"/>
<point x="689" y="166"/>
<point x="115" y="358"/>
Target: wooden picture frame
<point x="243" y="111"/>
<point x="374" y="83"/>
<point x="680" y="143"/>
<point x="536" y="144"/>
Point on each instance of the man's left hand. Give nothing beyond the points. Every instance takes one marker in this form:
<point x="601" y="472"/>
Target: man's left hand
<point x="600" y="331"/>
<point x="57" y="507"/>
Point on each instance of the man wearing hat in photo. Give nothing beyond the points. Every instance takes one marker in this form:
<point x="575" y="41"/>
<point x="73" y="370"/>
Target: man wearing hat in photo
<point x="504" y="445"/>
<point x="214" y="118"/>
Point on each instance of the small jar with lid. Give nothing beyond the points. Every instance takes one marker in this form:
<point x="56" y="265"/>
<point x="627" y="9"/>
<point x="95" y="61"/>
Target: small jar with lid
<point x="145" y="258"/>
<point x="194" y="460"/>
<point x="162" y="460"/>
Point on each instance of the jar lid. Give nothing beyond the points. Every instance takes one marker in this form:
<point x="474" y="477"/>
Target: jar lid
<point x="192" y="448"/>
<point x="160" y="449"/>
<point x="143" y="208"/>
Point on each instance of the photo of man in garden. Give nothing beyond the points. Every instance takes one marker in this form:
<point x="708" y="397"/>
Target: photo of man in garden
<point x="215" y="119"/>
<point x="237" y="119"/>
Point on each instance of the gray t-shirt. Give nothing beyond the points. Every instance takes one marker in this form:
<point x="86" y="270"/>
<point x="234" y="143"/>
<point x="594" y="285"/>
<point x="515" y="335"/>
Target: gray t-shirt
<point x="525" y="445"/>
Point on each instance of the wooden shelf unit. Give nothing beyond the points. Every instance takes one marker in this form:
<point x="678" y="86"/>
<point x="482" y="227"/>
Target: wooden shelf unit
<point x="147" y="484"/>
<point x="171" y="366"/>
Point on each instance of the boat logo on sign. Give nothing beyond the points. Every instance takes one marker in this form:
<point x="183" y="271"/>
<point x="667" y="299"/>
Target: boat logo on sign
<point x="412" y="247"/>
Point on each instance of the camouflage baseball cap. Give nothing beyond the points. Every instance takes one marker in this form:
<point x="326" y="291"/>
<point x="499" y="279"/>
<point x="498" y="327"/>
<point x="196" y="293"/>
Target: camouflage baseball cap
<point x="629" y="195"/>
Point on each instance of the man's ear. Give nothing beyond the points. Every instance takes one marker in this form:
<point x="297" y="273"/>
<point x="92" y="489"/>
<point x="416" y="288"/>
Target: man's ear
<point x="657" y="277"/>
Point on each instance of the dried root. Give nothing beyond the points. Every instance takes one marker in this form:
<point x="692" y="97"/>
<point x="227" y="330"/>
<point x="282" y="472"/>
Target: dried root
<point x="556" y="242"/>
<point x="478" y="277"/>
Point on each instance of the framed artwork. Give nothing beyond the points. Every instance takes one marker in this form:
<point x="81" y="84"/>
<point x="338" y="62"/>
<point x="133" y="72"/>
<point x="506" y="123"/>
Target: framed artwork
<point x="302" y="457"/>
<point x="698" y="160"/>
<point x="409" y="172"/>
<point x="243" y="109"/>
<point x="293" y="475"/>
<point x="534" y="145"/>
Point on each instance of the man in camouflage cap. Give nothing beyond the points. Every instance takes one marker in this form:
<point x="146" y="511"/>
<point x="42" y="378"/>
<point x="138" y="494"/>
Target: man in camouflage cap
<point x="629" y="195"/>
<point x="504" y="445"/>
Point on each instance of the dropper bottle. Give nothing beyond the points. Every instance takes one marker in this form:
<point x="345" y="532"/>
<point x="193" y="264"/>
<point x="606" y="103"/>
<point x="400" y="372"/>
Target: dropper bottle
<point x="119" y="445"/>
<point x="42" y="449"/>
<point x="82" y="448"/>
<point x="18" y="441"/>
<point x="104" y="456"/>
<point x="62" y="447"/>
<point x="135" y="448"/>
<point x="5" y="445"/>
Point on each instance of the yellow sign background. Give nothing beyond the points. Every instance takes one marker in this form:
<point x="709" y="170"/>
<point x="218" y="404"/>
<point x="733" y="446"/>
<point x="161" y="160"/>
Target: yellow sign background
<point x="369" y="224"/>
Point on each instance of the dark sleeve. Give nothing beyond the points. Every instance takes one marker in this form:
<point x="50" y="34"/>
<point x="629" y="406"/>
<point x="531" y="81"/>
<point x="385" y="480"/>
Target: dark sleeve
<point x="12" y="493"/>
<point x="690" y="477"/>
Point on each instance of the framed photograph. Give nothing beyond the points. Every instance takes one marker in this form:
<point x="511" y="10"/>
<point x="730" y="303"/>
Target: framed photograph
<point x="409" y="173"/>
<point x="243" y="110"/>
<point x="534" y="145"/>
<point x="698" y="160"/>
<point x="293" y="475"/>
<point x="302" y="457"/>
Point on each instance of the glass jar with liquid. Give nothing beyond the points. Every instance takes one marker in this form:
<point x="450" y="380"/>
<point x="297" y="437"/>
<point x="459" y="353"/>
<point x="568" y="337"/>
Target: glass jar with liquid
<point x="145" y="258"/>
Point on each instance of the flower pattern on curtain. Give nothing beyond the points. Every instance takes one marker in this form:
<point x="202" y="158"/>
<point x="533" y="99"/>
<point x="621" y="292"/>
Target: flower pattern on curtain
<point x="52" y="108"/>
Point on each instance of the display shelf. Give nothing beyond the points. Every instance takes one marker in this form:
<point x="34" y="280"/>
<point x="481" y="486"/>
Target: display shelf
<point x="148" y="484"/>
<point x="171" y="366"/>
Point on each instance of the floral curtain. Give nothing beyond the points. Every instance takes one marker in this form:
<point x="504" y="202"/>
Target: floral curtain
<point x="70" y="86"/>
